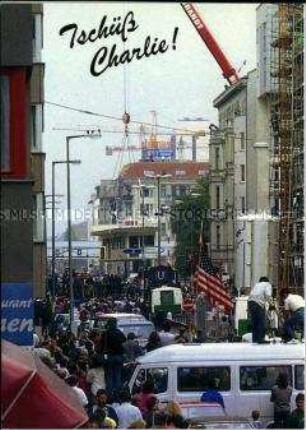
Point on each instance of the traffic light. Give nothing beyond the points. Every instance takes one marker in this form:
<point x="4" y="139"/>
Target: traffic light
<point x="102" y="252"/>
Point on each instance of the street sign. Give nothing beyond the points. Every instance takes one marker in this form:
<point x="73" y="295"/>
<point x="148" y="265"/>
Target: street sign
<point x="151" y="251"/>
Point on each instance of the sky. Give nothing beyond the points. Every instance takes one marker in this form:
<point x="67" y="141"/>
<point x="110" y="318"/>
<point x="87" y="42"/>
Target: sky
<point x="182" y="81"/>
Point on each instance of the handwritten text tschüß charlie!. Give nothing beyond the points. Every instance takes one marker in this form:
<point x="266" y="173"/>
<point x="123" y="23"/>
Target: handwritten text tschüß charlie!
<point x="107" y="57"/>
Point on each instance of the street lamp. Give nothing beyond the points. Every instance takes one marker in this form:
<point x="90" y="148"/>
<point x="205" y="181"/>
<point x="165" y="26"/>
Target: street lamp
<point x="91" y="135"/>
<point x="53" y="195"/>
<point x="142" y="188"/>
<point x="158" y="177"/>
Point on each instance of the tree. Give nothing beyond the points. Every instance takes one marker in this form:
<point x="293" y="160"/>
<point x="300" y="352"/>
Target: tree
<point x="74" y="235"/>
<point x="190" y="220"/>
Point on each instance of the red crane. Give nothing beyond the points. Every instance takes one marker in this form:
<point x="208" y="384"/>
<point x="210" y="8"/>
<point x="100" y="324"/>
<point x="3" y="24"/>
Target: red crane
<point x="227" y="68"/>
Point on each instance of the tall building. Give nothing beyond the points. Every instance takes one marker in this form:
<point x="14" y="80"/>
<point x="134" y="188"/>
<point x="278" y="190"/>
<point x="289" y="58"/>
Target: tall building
<point x="268" y="239"/>
<point x="287" y="140"/>
<point x="23" y="244"/>
<point x="239" y="183"/>
<point x="227" y="154"/>
<point x="133" y="212"/>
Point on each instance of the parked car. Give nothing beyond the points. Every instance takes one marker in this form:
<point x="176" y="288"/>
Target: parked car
<point x="224" y="424"/>
<point x="62" y="322"/>
<point x="127" y="323"/>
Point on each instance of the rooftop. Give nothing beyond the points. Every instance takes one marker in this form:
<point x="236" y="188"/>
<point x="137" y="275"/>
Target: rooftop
<point x="182" y="170"/>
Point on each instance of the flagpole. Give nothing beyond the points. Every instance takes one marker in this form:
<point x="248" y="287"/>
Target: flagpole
<point x="199" y="257"/>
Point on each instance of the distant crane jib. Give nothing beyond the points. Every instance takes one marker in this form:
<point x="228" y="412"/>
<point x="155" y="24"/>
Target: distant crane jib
<point x="227" y="68"/>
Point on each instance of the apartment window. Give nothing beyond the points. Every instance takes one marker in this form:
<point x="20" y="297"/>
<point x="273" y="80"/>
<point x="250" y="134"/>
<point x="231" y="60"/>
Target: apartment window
<point x="217" y="197"/>
<point x="148" y="209"/>
<point x="176" y="191"/>
<point x="218" y="237"/>
<point x="183" y="190"/>
<point x="163" y="230"/>
<point x="133" y="242"/>
<point x="149" y="240"/>
<point x="128" y="209"/>
<point x="243" y="204"/>
<point x="37" y="37"/>
<point x="163" y="191"/>
<point x="38" y="222"/>
<point x="217" y="154"/>
<point x="36" y="127"/>
<point x="33" y="126"/>
<point x="242" y="140"/>
<point x="242" y="172"/>
<point x="5" y="122"/>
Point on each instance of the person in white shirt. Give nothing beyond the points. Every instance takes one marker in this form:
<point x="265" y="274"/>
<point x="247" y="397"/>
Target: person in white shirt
<point x="260" y="296"/>
<point x="294" y="305"/>
<point x="126" y="412"/>
<point x="72" y="381"/>
<point x="166" y="337"/>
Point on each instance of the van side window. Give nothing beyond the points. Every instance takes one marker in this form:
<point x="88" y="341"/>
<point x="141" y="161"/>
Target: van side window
<point x="299" y="377"/>
<point x="256" y="378"/>
<point x="159" y="376"/>
<point x="196" y="378"/>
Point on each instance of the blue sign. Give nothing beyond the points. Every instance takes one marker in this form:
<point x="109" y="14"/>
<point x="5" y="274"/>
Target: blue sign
<point x="159" y="153"/>
<point x="17" y="310"/>
<point x="161" y="275"/>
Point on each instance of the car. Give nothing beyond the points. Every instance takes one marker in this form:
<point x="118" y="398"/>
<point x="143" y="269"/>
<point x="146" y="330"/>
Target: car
<point x="119" y="316"/>
<point x="62" y="322"/>
<point x="224" y="424"/>
<point x="127" y="323"/>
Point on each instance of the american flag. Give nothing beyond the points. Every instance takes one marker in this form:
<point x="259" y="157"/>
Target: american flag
<point x="209" y="281"/>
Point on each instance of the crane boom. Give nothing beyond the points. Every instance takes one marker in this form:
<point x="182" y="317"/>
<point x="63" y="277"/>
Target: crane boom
<point x="227" y="68"/>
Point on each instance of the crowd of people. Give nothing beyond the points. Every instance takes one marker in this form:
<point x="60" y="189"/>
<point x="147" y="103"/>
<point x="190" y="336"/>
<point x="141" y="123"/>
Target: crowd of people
<point x="97" y="365"/>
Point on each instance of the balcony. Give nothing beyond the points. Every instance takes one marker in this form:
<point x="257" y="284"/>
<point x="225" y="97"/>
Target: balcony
<point x="126" y="226"/>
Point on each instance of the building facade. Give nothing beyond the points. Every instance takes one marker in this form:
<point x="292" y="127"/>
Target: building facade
<point x="23" y="244"/>
<point x="227" y="154"/>
<point x="132" y="214"/>
<point x="240" y="185"/>
<point x="280" y="42"/>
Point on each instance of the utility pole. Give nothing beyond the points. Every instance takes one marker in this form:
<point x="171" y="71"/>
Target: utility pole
<point x="53" y="195"/>
<point x="158" y="221"/>
<point x="91" y="135"/>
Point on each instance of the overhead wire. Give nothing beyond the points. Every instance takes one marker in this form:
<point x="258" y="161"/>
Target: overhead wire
<point x="167" y="127"/>
<point x="87" y="112"/>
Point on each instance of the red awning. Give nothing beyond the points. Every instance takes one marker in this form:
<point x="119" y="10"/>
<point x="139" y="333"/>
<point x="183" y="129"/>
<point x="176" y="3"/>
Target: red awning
<point x="33" y="396"/>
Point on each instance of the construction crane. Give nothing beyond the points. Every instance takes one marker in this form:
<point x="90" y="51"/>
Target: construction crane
<point x="229" y="72"/>
<point x="110" y="149"/>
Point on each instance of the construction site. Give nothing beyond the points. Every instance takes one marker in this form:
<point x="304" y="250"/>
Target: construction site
<point x="287" y="143"/>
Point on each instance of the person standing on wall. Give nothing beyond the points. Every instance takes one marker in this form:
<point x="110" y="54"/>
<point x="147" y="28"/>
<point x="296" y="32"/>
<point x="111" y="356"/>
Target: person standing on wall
<point x="260" y="295"/>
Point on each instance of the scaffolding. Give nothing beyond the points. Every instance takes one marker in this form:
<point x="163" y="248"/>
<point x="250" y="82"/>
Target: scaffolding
<point x="286" y="166"/>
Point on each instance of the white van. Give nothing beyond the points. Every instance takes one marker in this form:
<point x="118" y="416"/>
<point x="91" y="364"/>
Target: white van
<point x="245" y="374"/>
<point x="167" y="299"/>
